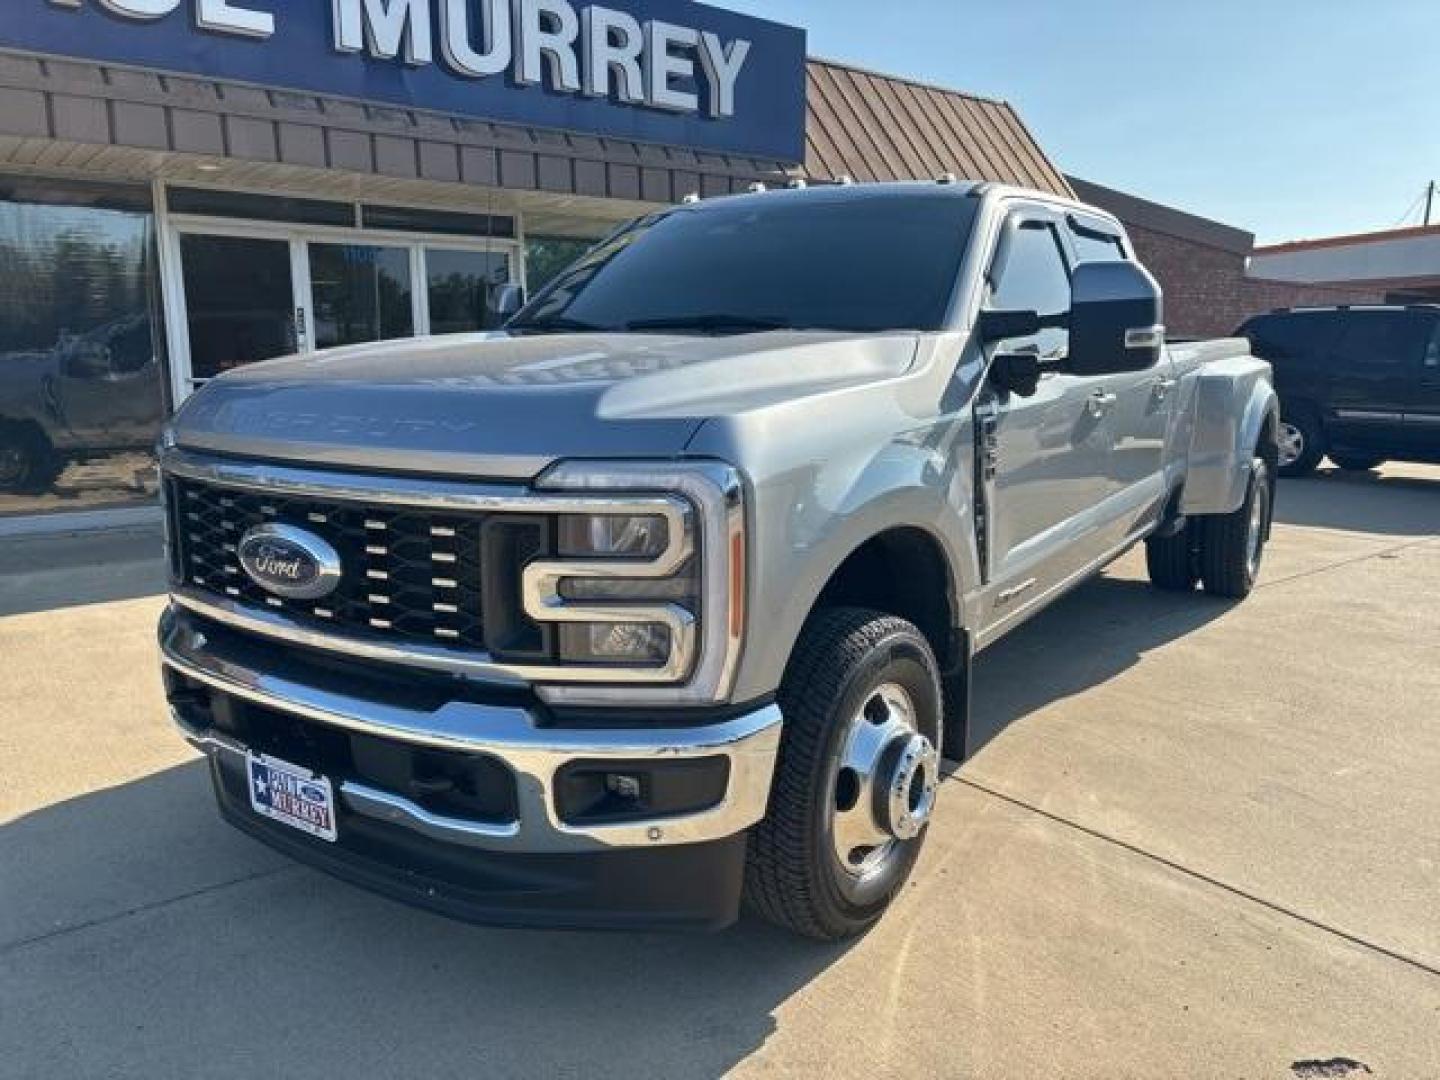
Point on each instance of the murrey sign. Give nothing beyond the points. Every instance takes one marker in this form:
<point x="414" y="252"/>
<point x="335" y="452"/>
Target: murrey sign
<point x="666" y="71"/>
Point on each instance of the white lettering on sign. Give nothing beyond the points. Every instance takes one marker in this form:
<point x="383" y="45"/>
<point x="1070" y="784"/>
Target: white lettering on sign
<point x="595" y="51"/>
<point x="226" y="18"/>
<point x="546" y="32"/>
<point x="614" y="42"/>
<point x="381" y="26"/>
<point x="457" y="40"/>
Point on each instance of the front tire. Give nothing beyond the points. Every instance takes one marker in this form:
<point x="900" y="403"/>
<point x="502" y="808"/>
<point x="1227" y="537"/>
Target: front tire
<point x="1233" y="545"/>
<point x="856" y="779"/>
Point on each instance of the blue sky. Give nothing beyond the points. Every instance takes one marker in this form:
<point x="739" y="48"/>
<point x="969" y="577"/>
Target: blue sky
<point x="1284" y="117"/>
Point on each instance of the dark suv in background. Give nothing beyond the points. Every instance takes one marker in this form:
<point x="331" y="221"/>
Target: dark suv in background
<point x="1360" y="385"/>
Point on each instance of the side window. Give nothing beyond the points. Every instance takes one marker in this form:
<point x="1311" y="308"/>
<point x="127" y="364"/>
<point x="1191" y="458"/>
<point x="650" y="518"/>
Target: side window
<point x="1034" y="278"/>
<point x="1378" y="340"/>
<point x="1092" y="247"/>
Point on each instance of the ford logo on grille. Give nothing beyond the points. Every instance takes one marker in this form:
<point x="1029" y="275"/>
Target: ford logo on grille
<point x="289" y="562"/>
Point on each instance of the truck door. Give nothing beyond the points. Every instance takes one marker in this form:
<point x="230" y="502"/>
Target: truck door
<point x="1373" y="366"/>
<point x="1047" y="455"/>
<point x="1140" y="415"/>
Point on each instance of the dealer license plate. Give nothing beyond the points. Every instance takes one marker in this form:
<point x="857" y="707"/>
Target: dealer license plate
<point x="292" y="796"/>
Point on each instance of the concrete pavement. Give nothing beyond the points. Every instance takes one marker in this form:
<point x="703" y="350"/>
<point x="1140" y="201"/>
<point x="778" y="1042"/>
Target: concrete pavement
<point x="1203" y="841"/>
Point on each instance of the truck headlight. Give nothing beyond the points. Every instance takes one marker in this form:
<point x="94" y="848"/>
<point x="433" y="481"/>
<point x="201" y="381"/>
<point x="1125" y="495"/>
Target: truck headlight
<point x="641" y="536"/>
<point x="648" y="583"/>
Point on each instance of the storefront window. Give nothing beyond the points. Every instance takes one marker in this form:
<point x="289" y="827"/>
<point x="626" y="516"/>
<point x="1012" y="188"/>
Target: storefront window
<point x="81" y="375"/>
<point x="462" y="288"/>
<point x="362" y="293"/>
<point x="239" y="304"/>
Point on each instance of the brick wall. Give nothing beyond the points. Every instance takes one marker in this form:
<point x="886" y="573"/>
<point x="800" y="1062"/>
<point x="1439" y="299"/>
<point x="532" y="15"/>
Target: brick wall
<point x="1207" y="293"/>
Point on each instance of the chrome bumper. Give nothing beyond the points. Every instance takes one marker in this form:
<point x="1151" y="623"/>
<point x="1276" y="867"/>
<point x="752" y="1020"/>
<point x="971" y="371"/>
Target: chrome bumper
<point x="534" y="754"/>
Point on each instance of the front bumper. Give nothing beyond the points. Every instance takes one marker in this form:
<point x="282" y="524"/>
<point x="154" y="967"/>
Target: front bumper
<point x="487" y="866"/>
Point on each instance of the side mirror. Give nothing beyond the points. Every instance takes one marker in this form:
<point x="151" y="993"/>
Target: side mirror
<point x="509" y="299"/>
<point x="1004" y="325"/>
<point x="1116" y="319"/>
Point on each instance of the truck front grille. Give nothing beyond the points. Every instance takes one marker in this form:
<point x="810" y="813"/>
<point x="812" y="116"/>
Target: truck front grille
<point x="410" y="576"/>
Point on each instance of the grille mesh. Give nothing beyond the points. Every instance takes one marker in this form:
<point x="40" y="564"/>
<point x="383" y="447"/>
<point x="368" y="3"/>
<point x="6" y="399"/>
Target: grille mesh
<point x="409" y="576"/>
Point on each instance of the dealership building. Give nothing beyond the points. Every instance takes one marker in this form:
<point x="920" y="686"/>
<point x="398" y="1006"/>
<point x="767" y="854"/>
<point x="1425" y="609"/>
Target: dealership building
<point x="191" y="185"/>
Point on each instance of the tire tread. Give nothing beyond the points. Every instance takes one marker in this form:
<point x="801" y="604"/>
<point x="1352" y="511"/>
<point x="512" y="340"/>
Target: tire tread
<point x="781" y="878"/>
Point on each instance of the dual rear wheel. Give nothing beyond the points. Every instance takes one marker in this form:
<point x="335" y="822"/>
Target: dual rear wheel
<point x="1222" y="552"/>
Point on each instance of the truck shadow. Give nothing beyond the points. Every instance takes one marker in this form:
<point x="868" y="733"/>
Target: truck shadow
<point x="1103" y="628"/>
<point x="1381" y="503"/>
<point x="141" y="936"/>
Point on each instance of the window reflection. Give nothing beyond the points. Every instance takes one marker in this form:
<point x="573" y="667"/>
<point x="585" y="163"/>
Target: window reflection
<point x="462" y="288"/>
<point x="362" y="293"/>
<point x="81" y="379"/>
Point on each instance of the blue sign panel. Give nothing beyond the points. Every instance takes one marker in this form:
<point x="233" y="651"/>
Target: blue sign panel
<point x="672" y="72"/>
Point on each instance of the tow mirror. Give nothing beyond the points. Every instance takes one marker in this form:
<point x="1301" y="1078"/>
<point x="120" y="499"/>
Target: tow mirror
<point x="1116" y="319"/>
<point x="509" y="299"/>
<point x="1004" y="325"/>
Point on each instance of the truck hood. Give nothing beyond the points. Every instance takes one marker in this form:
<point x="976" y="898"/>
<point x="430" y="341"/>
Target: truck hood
<point x="505" y="407"/>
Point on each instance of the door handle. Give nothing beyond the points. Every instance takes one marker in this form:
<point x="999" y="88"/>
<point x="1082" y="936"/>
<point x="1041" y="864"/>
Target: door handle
<point x="1163" y="388"/>
<point x="1099" y="403"/>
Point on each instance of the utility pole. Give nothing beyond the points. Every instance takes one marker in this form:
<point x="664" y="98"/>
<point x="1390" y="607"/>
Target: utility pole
<point x="1429" y="200"/>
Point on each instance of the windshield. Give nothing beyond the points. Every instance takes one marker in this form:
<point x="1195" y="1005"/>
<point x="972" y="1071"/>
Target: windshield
<point x="780" y="262"/>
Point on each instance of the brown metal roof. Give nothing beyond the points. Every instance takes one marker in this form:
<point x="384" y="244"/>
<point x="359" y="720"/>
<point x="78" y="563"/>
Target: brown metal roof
<point x="879" y="127"/>
<point x="869" y="126"/>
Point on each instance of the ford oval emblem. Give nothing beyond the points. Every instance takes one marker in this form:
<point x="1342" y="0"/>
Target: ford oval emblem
<point x="289" y="562"/>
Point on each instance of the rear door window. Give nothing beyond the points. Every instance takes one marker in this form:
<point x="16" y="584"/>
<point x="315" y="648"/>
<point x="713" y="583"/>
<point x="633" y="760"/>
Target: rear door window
<point x="1092" y="247"/>
<point x="1381" y="339"/>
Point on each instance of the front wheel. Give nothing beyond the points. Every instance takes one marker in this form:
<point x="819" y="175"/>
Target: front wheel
<point x="1301" y="442"/>
<point x="1233" y="545"/>
<point x="857" y="777"/>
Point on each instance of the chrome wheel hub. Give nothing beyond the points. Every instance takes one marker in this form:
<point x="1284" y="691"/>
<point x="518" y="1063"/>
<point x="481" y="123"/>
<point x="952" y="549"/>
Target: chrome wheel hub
<point x="1255" y="528"/>
<point x="886" y="783"/>
<point x="1292" y="444"/>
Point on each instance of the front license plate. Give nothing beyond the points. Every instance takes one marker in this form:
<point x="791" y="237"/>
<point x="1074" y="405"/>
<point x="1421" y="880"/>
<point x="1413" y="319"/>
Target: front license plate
<point x="292" y="796"/>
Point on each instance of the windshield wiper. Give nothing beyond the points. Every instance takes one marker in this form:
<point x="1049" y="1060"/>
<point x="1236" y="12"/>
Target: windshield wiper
<point x="740" y="324"/>
<point x="559" y="325"/>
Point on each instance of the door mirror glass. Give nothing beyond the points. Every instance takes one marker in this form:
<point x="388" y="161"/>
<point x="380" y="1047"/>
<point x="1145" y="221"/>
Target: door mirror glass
<point x="509" y="299"/>
<point x="1115" y="319"/>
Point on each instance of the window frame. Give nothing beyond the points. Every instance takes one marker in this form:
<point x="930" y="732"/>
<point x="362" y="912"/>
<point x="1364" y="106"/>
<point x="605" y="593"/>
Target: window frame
<point x="1016" y="219"/>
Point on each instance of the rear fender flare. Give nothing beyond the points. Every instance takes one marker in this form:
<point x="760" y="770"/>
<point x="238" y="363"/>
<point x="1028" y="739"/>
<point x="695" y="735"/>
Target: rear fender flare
<point x="1233" y="403"/>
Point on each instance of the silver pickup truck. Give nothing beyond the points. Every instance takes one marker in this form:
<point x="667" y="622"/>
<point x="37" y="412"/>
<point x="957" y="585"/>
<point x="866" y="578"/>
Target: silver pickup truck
<point x="668" y="595"/>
